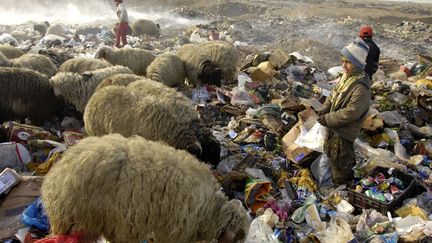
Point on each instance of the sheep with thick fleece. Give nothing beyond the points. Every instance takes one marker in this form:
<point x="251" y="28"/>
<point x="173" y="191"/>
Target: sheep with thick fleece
<point x="26" y="93"/>
<point x="136" y="59"/>
<point x="77" y="88"/>
<point x="168" y="69"/>
<point x="36" y="62"/>
<point x="224" y="55"/>
<point x="82" y="64"/>
<point x="144" y="27"/>
<point x="56" y="29"/>
<point x="11" y="51"/>
<point x="199" y="67"/>
<point x="132" y="189"/>
<point x="119" y="79"/>
<point x="154" y="111"/>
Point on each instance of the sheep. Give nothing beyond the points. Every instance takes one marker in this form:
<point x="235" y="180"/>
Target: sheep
<point x="56" y="29"/>
<point x="58" y="57"/>
<point x="36" y="62"/>
<point x="26" y="93"/>
<point x="199" y="66"/>
<point x="154" y="111"/>
<point x="136" y="59"/>
<point x="76" y="88"/>
<point x="144" y="27"/>
<point x="119" y="79"/>
<point x="11" y="51"/>
<point x="132" y="189"/>
<point x="41" y="28"/>
<point x="81" y="65"/>
<point x="224" y="55"/>
<point x="168" y="69"/>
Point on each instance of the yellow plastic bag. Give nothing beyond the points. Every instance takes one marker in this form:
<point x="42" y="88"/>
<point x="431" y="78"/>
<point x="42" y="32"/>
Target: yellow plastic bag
<point x="411" y="210"/>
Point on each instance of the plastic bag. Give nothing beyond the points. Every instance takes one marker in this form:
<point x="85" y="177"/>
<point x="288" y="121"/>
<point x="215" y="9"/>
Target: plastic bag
<point x="338" y="231"/>
<point x="412" y="210"/>
<point x="35" y="215"/>
<point x="260" y="231"/>
<point x="321" y="170"/>
<point x="313" y="139"/>
<point x="241" y="97"/>
<point x="299" y="214"/>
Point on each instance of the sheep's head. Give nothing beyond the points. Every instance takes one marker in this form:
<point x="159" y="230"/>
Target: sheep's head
<point x="210" y="146"/>
<point x="4" y="61"/>
<point x="104" y="52"/>
<point x="210" y="73"/>
<point x="238" y="224"/>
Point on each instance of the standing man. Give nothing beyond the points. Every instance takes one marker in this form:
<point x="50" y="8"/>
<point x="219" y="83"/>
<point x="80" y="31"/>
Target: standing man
<point x="345" y="109"/>
<point x="122" y="25"/>
<point x="372" y="60"/>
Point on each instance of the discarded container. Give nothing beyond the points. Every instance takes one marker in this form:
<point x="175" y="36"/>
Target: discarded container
<point x="8" y="179"/>
<point x="13" y="155"/>
<point x="360" y="200"/>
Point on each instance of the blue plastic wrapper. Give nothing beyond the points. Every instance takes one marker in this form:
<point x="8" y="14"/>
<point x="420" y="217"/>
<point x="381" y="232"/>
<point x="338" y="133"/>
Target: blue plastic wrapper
<point x="35" y="216"/>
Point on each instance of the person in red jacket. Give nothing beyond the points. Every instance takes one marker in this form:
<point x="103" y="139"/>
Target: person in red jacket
<point x="122" y="25"/>
<point x="372" y="59"/>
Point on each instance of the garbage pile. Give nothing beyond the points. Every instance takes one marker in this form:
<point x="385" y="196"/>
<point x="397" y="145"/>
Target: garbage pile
<point x="272" y="147"/>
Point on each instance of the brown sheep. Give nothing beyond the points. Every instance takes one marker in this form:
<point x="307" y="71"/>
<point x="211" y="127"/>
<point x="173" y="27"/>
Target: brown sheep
<point x="132" y="189"/>
<point x="26" y="93"/>
<point x="199" y="67"/>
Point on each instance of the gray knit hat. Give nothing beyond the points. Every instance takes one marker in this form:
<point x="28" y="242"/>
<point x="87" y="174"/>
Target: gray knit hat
<point x="356" y="52"/>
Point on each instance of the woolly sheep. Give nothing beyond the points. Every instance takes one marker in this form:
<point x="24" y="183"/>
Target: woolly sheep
<point x="36" y="62"/>
<point x="11" y="51"/>
<point x="41" y="28"/>
<point x="58" y="57"/>
<point x="131" y="189"/>
<point x="199" y="66"/>
<point x="81" y="65"/>
<point x="56" y="29"/>
<point x="119" y="79"/>
<point x="154" y="111"/>
<point x="144" y="27"/>
<point x="224" y="55"/>
<point x="26" y="93"/>
<point x="168" y="69"/>
<point x="76" y="88"/>
<point x="136" y="59"/>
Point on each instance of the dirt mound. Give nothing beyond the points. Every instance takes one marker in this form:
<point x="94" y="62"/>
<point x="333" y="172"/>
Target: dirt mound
<point x="324" y="56"/>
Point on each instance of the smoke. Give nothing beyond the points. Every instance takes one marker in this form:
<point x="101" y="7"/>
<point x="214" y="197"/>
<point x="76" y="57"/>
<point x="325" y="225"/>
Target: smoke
<point x="71" y="12"/>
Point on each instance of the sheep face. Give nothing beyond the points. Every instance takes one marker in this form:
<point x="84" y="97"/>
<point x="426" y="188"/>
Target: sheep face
<point x="238" y="226"/>
<point x="210" y="73"/>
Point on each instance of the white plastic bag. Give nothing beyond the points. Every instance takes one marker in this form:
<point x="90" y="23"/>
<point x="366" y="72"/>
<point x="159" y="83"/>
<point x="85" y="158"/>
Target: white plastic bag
<point x="313" y="139"/>
<point x="321" y="170"/>
<point x="338" y="231"/>
<point x="14" y="155"/>
<point x="260" y="230"/>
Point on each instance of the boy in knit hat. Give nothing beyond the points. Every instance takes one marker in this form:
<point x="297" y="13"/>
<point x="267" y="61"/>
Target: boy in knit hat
<point x="345" y="110"/>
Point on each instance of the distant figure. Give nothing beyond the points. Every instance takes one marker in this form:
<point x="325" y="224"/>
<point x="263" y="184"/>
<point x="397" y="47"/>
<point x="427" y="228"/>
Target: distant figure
<point x="122" y="25"/>
<point x="372" y="60"/>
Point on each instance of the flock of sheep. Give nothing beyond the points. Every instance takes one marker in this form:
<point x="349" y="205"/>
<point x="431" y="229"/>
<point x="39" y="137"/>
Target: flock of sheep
<point x="140" y="173"/>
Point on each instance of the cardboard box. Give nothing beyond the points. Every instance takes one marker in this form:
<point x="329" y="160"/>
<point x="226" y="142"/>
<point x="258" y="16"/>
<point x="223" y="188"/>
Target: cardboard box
<point x="8" y="179"/>
<point x="22" y="195"/>
<point x="279" y="59"/>
<point x="294" y="152"/>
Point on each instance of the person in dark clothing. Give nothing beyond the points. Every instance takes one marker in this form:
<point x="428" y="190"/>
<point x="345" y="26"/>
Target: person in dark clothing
<point x="372" y="60"/>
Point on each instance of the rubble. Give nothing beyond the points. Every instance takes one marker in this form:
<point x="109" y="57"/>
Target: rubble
<point x="266" y="122"/>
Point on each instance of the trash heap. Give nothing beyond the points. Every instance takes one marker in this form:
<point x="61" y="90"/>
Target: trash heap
<point x="272" y="156"/>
